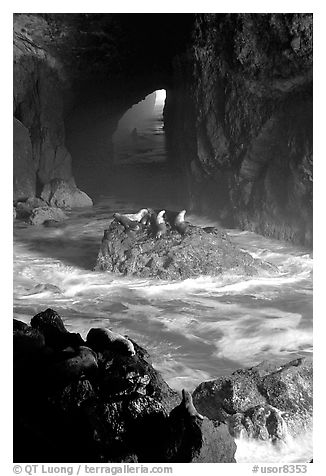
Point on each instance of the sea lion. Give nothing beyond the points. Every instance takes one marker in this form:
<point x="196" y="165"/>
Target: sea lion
<point x="137" y="216"/>
<point x="126" y="222"/>
<point x="179" y="223"/>
<point x="160" y="225"/>
<point x="189" y="405"/>
<point x="100" y="339"/>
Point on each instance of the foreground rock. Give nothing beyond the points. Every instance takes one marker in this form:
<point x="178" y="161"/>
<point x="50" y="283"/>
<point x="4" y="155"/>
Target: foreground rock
<point x="265" y="402"/>
<point x="101" y="401"/>
<point x="200" y="251"/>
<point x="60" y="193"/>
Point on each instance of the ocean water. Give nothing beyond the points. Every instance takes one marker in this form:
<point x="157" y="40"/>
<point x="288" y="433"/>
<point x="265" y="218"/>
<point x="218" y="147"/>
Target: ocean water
<point x="195" y="330"/>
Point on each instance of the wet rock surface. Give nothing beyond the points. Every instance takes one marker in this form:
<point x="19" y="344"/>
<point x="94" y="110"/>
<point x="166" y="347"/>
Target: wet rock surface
<point x="23" y="165"/>
<point x="101" y="403"/>
<point x="197" y="252"/>
<point x="242" y="121"/>
<point x="63" y="194"/>
<point x="42" y="215"/>
<point x="266" y="402"/>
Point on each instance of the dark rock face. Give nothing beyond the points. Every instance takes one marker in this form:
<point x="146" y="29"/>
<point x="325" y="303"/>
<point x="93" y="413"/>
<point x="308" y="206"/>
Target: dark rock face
<point x="39" y="86"/>
<point x="24" y="168"/>
<point x="173" y="256"/>
<point x="263" y="402"/>
<point x="50" y="324"/>
<point x="246" y="110"/>
<point x="101" y="406"/>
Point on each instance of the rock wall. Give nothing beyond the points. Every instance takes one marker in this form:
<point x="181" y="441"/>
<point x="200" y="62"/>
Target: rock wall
<point x="39" y="82"/>
<point x="246" y="114"/>
<point x="24" y="169"/>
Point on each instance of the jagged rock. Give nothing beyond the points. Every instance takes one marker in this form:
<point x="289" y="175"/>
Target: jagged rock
<point x="24" y="208"/>
<point x="103" y="407"/>
<point x="56" y="335"/>
<point x="24" y="167"/>
<point x="262" y="402"/>
<point x="174" y="256"/>
<point x="248" y="146"/>
<point x="74" y="395"/>
<point x="124" y="376"/>
<point x="27" y="339"/>
<point x="196" y="439"/>
<point x="19" y="325"/>
<point x="60" y="193"/>
<point x="42" y="214"/>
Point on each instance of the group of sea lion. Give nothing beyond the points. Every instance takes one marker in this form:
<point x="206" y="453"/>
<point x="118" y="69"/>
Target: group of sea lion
<point x="159" y="221"/>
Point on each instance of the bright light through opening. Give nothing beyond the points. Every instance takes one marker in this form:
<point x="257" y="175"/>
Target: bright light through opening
<point x="160" y="97"/>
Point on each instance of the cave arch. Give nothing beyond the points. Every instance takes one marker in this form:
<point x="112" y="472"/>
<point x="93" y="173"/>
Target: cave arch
<point x="93" y="118"/>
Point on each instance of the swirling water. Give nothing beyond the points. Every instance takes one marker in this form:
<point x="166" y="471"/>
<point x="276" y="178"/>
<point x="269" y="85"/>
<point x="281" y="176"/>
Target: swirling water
<point x="196" y="329"/>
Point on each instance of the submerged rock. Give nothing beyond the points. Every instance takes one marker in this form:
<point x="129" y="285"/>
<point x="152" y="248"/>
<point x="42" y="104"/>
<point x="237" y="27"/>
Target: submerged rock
<point x="197" y="252"/>
<point x="264" y="402"/>
<point x="42" y="214"/>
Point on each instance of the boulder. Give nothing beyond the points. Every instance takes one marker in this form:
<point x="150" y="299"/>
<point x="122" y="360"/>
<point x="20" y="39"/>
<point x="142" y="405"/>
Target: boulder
<point x="71" y="366"/>
<point x="24" y="208"/>
<point x="60" y="193"/>
<point x="174" y="256"/>
<point x="265" y="402"/>
<point x="56" y="335"/>
<point x="24" y="168"/>
<point x="43" y="214"/>
<point x="196" y="439"/>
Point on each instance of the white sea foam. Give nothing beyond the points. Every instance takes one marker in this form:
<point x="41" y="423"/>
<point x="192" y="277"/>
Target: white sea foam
<point x="292" y="450"/>
<point x="195" y="330"/>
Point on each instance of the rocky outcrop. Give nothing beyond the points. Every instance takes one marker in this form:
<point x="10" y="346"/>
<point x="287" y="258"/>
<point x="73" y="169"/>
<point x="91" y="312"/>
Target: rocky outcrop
<point x="89" y="405"/>
<point x="266" y="402"/>
<point x="41" y="215"/>
<point x="40" y="83"/>
<point x="59" y="193"/>
<point x="174" y="256"/>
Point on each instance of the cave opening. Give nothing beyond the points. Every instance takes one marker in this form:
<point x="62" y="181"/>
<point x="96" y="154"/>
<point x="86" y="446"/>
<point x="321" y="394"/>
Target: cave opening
<point x="143" y="169"/>
<point x="140" y="136"/>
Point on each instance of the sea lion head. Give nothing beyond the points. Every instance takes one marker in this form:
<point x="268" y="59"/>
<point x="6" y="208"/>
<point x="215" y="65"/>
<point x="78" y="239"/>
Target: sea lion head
<point x="159" y="218"/>
<point x="142" y="213"/>
<point x="180" y="218"/>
